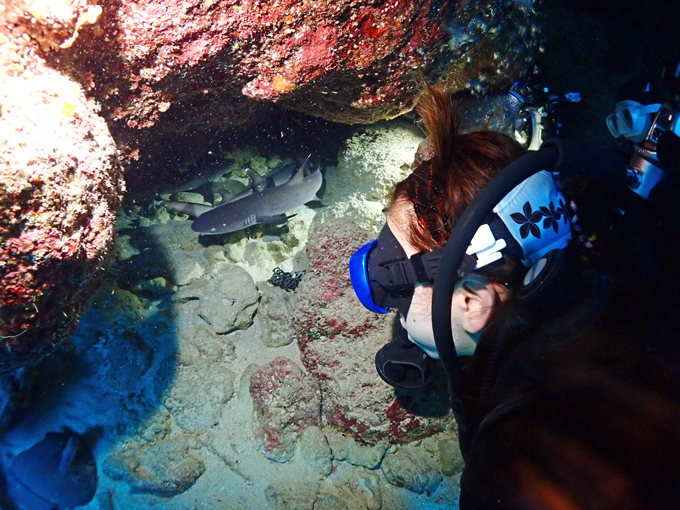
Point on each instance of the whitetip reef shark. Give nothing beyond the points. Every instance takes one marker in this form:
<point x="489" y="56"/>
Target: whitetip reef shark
<point x="263" y="203"/>
<point x="199" y="181"/>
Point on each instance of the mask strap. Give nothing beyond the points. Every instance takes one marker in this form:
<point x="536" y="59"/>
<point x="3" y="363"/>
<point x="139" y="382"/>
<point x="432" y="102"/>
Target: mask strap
<point x="420" y="268"/>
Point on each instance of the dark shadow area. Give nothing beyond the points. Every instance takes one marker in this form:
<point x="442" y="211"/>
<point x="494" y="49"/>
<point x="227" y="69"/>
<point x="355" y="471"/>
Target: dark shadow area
<point x="430" y="401"/>
<point x="282" y="132"/>
<point x="596" y="47"/>
<point x="108" y="380"/>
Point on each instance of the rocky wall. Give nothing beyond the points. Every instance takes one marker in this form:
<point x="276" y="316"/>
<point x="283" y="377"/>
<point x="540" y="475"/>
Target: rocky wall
<point x="60" y="181"/>
<point x="338" y="339"/>
<point x="206" y="64"/>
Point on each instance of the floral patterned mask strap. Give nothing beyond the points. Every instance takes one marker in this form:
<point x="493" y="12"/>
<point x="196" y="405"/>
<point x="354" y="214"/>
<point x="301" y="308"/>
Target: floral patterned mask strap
<point x="535" y="214"/>
<point x="426" y="198"/>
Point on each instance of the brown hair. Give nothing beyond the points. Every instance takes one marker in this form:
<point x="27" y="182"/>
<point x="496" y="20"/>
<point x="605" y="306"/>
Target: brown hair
<point x="460" y="164"/>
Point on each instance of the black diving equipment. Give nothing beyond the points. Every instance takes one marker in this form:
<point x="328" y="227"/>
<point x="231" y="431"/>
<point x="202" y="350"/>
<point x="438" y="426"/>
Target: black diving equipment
<point x="402" y="364"/>
<point x="376" y="284"/>
<point x="383" y="276"/>
<point x="558" y="156"/>
<point x="525" y="113"/>
<point x="646" y="170"/>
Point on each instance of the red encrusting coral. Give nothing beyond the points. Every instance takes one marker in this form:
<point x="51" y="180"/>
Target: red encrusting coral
<point x="60" y="182"/>
<point x="209" y="64"/>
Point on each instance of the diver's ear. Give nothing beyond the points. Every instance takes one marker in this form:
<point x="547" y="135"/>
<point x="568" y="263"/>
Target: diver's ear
<point x="474" y="300"/>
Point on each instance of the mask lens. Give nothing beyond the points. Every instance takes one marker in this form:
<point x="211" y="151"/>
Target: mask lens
<point x="627" y="117"/>
<point x="611" y="125"/>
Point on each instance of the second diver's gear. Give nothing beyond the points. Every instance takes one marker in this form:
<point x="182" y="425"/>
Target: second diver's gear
<point x="525" y="113"/>
<point x="631" y="120"/>
<point x="648" y="165"/>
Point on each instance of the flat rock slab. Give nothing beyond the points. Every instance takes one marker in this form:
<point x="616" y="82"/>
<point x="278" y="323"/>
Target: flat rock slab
<point x="164" y="469"/>
<point x="194" y="399"/>
<point x="227" y="298"/>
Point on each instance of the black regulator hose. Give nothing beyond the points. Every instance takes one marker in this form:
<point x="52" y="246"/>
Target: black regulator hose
<point x="452" y="257"/>
<point x="572" y="158"/>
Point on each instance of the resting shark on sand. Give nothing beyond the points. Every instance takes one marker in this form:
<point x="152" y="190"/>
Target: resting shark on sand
<point x="199" y="181"/>
<point x="265" y="202"/>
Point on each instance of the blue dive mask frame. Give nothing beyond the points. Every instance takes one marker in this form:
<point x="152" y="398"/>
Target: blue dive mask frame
<point x="383" y="276"/>
<point x="358" y="273"/>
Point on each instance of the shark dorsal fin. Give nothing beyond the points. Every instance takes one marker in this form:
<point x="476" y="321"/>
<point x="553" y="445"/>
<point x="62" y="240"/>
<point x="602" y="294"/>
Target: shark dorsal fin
<point x="258" y="182"/>
<point x="300" y="174"/>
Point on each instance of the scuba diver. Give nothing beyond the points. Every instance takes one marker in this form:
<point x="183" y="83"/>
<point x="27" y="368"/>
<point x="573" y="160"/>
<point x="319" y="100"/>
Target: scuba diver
<point x="547" y="284"/>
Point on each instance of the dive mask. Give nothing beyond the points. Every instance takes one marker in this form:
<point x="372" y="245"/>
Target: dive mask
<point x="631" y="120"/>
<point x="528" y="223"/>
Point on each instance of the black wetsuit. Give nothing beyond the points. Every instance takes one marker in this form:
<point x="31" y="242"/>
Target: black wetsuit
<point x="583" y="411"/>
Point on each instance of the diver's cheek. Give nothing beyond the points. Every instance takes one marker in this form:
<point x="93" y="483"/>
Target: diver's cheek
<point x="418" y="322"/>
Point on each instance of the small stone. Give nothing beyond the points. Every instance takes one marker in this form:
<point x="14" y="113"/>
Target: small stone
<point x="367" y="485"/>
<point x="366" y="456"/>
<point x="325" y="501"/>
<point x="276" y="308"/>
<point x="244" y="380"/>
<point x="235" y="252"/>
<point x="214" y="254"/>
<point x="450" y="458"/>
<point x="416" y="471"/>
<point x="292" y="496"/>
<point x="339" y="445"/>
<point x="164" y="469"/>
<point x="158" y="286"/>
<point x="124" y="249"/>
<point x="190" y="196"/>
<point x="315" y="450"/>
<point x="185" y="268"/>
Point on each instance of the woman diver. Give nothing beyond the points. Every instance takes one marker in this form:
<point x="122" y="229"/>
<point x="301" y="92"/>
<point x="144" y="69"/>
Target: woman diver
<point x="570" y="397"/>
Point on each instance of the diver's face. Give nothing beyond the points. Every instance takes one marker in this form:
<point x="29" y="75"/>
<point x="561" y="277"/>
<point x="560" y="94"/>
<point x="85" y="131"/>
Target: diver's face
<point x="473" y="302"/>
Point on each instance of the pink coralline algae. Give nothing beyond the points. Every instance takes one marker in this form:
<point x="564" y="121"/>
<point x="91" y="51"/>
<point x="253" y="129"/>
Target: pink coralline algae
<point x="60" y="181"/>
<point x="339" y="338"/>
<point x="204" y="64"/>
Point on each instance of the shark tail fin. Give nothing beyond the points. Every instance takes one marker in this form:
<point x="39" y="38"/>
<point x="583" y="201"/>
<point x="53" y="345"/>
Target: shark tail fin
<point x="206" y="191"/>
<point x="258" y="182"/>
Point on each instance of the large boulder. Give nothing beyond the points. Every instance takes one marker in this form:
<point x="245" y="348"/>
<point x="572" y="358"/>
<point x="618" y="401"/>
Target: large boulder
<point x="206" y="64"/>
<point x="60" y="181"/>
<point x="165" y="469"/>
<point x="338" y="339"/>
